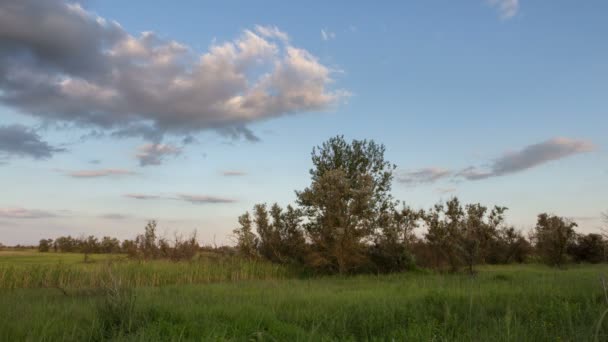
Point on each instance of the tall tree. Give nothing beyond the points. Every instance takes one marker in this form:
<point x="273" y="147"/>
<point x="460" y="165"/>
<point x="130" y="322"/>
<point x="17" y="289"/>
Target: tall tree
<point x="345" y="203"/>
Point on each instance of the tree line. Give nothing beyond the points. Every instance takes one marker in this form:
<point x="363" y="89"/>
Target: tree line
<point x="347" y="221"/>
<point x="145" y="246"/>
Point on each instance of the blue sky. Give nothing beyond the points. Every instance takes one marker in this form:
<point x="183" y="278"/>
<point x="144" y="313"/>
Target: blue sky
<point x="499" y="102"/>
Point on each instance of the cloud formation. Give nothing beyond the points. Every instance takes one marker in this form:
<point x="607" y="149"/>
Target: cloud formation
<point x="233" y="173"/>
<point x="142" y="196"/>
<point x="21" y="213"/>
<point x="507" y="8"/>
<point x="99" y="173"/>
<point x="194" y="199"/>
<point x="529" y="157"/>
<point x="20" y="141"/>
<point x="423" y="176"/>
<point x="63" y="64"/>
<point x="509" y="163"/>
<point x="114" y="216"/>
<point x="154" y="154"/>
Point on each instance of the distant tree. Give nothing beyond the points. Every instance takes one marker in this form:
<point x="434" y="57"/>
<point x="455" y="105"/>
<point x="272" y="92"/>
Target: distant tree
<point x="89" y="245"/>
<point x="391" y="251"/>
<point x="267" y="242"/>
<point x="293" y="242"/>
<point x="344" y="205"/>
<point x="109" y="245"/>
<point x="444" y="232"/>
<point x="45" y="245"/>
<point x="147" y="243"/>
<point x="246" y="239"/>
<point x="129" y="247"/>
<point x="509" y="246"/>
<point x="66" y="244"/>
<point x="588" y="248"/>
<point x="553" y="235"/>
<point x="478" y="231"/>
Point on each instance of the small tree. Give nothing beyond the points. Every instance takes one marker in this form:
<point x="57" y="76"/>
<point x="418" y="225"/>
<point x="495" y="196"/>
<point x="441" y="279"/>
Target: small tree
<point x="45" y="245"/>
<point x="588" y="248"/>
<point x="246" y="239"/>
<point x="553" y="235"/>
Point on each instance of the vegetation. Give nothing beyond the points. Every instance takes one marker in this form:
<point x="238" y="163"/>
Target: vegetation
<point x="348" y="222"/>
<point x="503" y="303"/>
<point x="329" y="267"/>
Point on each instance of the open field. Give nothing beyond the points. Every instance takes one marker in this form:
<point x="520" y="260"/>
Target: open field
<point x="501" y="303"/>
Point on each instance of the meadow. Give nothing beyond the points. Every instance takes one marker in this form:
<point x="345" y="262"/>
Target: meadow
<point x="58" y="297"/>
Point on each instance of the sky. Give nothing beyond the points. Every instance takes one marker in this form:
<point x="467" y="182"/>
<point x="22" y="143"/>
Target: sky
<point x="113" y="113"/>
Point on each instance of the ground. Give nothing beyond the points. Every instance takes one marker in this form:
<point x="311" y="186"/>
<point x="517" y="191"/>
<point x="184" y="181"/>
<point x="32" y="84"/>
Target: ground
<point x="228" y="300"/>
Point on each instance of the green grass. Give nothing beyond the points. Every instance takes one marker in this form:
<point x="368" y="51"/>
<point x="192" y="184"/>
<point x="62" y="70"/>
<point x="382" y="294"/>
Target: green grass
<point x="501" y="303"/>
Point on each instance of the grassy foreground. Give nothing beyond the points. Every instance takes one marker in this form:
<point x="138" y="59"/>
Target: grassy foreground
<point x="501" y="303"/>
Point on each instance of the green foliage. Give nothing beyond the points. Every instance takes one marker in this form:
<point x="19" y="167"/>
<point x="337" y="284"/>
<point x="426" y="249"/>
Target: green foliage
<point x="553" y="235"/>
<point x="45" y="245"/>
<point x="501" y="303"/>
<point x="588" y="248"/>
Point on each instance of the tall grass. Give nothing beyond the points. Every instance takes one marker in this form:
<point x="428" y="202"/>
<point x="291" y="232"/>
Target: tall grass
<point x="137" y="273"/>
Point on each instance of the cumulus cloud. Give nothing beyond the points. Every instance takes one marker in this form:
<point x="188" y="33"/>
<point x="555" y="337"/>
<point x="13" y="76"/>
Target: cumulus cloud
<point x="20" y="141"/>
<point x="154" y="154"/>
<point x="509" y="163"/>
<point x="98" y="173"/>
<point x="63" y="64"/>
<point x="233" y="173"/>
<point x="195" y="199"/>
<point x="507" y="8"/>
<point x="423" y="176"/>
<point x="529" y="157"/>
<point x="21" y="213"/>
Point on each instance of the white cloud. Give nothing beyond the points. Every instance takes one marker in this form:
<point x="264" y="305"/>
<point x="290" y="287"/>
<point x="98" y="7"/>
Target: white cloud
<point x="507" y="8"/>
<point x="88" y="71"/>
<point x="327" y="35"/>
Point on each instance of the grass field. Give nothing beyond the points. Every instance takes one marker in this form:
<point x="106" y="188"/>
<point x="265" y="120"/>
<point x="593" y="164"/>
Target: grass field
<point x="237" y="300"/>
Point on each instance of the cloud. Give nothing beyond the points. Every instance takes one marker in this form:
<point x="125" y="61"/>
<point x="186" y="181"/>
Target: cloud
<point x="99" y="173"/>
<point x="204" y="199"/>
<point x="509" y="163"/>
<point x="63" y="64"/>
<point x="154" y="154"/>
<point x="114" y="216"/>
<point x="507" y="8"/>
<point x="271" y="32"/>
<point x="95" y="161"/>
<point x="21" y="213"/>
<point x="20" y="141"/>
<point x="327" y="35"/>
<point x="195" y="199"/>
<point x="529" y="157"/>
<point x="423" y="176"/>
<point x="142" y="196"/>
<point x="445" y="190"/>
<point x="233" y="173"/>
